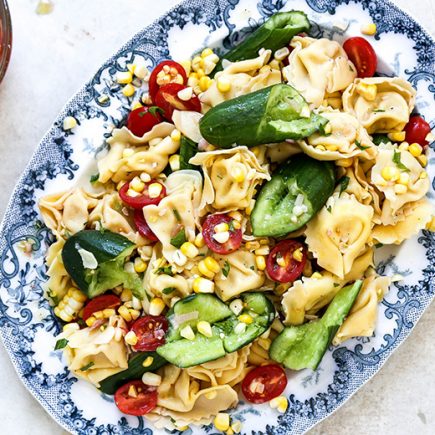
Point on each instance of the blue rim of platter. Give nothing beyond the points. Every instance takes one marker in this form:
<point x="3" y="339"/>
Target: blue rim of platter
<point x="23" y="309"/>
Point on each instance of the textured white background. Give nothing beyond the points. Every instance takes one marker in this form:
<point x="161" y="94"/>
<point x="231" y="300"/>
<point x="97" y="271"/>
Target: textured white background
<point x="52" y="57"/>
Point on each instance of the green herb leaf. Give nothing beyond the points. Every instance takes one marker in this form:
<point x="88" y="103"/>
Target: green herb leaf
<point x="379" y="245"/>
<point x="153" y="110"/>
<point x="378" y="110"/>
<point x="165" y="270"/>
<point x="168" y="290"/>
<point x="60" y="344"/>
<point x="344" y="182"/>
<point x="231" y="225"/>
<point x="329" y="208"/>
<point x="86" y="367"/>
<point x="226" y="269"/>
<point x="94" y="178"/>
<point x="179" y="239"/>
<point x="380" y="138"/>
<point x="252" y="267"/>
<point x="176" y="214"/>
<point x="397" y="161"/>
<point x="52" y="295"/>
<point x="336" y="284"/>
<point x="361" y="147"/>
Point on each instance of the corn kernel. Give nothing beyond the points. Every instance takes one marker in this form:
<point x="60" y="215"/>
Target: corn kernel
<point x="132" y="392"/>
<point x="246" y="318"/>
<point x="204" y="83"/>
<point x="236" y="426"/>
<point x="140" y="70"/>
<point x="204" y="328"/>
<point x="229" y="432"/>
<point x="108" y="313"/>
<point x="206" y="52"/>
<point x="154" y="190"/>
<point x="390" y="173"/>
<point x="134" y="314"/>
<point x="240" y="328"/>
<point x="260" y="261"/>
<point x="238" y="173"/>
<point x="222" y="237"/>
<point x="422" y="175"/>
<point x="136" y="105"/>
<point x="297" y="255"/>
<point x="236" y="306"/>
<point x="131" y="338"/>
<point x="124" y="312"/>
<point x="252" y="246"/>
<point x="280" y="261"/>
<point x="137" y="184"/>
<point x="128" y="90"/>
<point x="369" y="29"/>
<point x="222" y="421"/>
<point x="197" y="62"/>
<point x="280" y="403"/>
<point x="397" y="136"/>
<point x="187" y="332"/>
<point x="139" y="265"/>
<point x="221" y="228"/>
<point x="124" y="77"/>
<point x="404" y="146"/>
<point x="189" y="250"/>
<point x="69" y="123"/>
<point x="223" y="84"/>
<point x="237" y="225"/>
<point x="126" y="295"/>
<point x="403" y="178"/>
<point x="152" y="379"/>
<point x="316" y="275"/>
<point x="202" y="285"/>
<point x="415" y="149"/>
<point x="212" y="264"/>
<point x="187" y="65"/>
<point x="263" y="250"/>
<point x="148" y="361"/>
<point x="368" y="92"/>
<point x="185" y="94"/>
<point x="423" y="160"/>
<point x="281" y="54"/>
<point x="181" y="428"/>
<point x="199" y="241"/>
<point x="156" y="306"/>
<point x="90" y="320"/>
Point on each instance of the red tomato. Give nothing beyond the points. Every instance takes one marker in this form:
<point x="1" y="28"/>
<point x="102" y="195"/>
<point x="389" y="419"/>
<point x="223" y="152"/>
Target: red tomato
<point x="293" y="268"/>
<point x="416" y="130"/>
<point x="143" y="227"/>
<point x="264" y="383"/>
<point x="362" y="55"/>
<point x="100" y="303"/>
<point x="143" y="119"/>
<point x="153" y="86"/>
<point x="140" y="201"/>
<point x="150" y="332"/>
<point x="168" y="100"/>
<point x="208" y="226"/>
<point x="145" y="401"/>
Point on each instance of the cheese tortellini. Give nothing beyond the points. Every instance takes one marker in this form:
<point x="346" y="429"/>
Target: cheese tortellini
<point x="317" y="67"/>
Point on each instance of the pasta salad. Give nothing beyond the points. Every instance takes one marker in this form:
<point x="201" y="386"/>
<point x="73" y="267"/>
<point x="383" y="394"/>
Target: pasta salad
<point x="229" y="234"/>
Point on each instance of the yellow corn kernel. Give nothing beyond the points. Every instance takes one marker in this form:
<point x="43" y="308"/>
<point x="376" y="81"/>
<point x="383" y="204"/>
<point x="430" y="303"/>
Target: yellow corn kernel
<point x="137" y="184"/>
<point x="369" y="29"/>
<point x="128" y="90"/>
<point x="204" y="83"/>
<point x="397" y="136"/>
<point x="70" y="305"/>
<point x="237" y="225"/>
<point x="108" y="313"/>
<point x="280" y="403"/>
<point x="132" y="392"/>
<point x="415" y="149"/>
<point x="202" y="285"/>
<point x="145" y="177"/>
<point x="181" y="428"/>
<point x="131" y="338"/>
<point x="222" y="421"/>
<point x="187" y="332"/>
<point x="152" y="379"/>
<point x="124" y="77"/>
<point x="199" y="241"/>
<point x="189" y="250"/>
<point x="136" y="105"/>
<point x="212" y="264"/>
<point x="246" y="318"/>
<point x="148" y="361"/>
<point x="187" y="65"/>
<point x="154" y="190"/>
<point x="236" y="426"/>
<point x="134" y="313"/>
<point x="431" y="225"/>
<point x="260" y="261"/>
<point x="400" y="188"/>
<point x="206" y="52"/>
<point x="252" y="246"/>
<point x="90" y="320"/>
<point x="204" y="270"/>
<point x="176" y="135"/>
<point x="126" y="295"/>
<point x="280" y="261"/>
<point x="98" y="314"/>
<point x="124" y="312"/>
<point x="197" y="62"/>
<point x="316" y="275"/>
<point x="238" y="173"/>
<point x="69" y="123"/>
<point x="422" y="175"/>
<point x="236" y="215"/>
<point x="423" y="160"/>
<point x="404" y="146"/>
<point x="194" y="75"/>
<point x="368" y="92"/>
<point x="156" y="306"/>
<point x="403" y="178"/>
<point x="263" y="250"/>
<point x="139" y="265"/>
<point x="281" y="54"/>
<point x="390" y="173"/>
<point x="221" y="228"/>
<point x="223" y="84"/>
<point x="331" y="147"/>
<point x="236" y="306"/>
<point x="204" y="328"/>
<point x="229" y="432"/>
<point x="297" y="255"/>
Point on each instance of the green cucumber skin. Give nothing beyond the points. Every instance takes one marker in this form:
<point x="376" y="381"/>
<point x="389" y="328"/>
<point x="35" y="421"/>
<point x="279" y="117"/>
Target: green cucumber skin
<point x="313" y="178"/>
<point x="275" y="33"/>
<point x="300" y="347"/>
<point x="135" y="371"/>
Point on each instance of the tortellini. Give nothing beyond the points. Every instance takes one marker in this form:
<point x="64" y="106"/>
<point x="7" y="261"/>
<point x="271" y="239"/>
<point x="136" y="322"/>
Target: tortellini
<point x="130" y="155"/>
<point x="317" y="67"/>
<point x="59" y="280"/>
<point x="230" y="177"/>
<point x="245" y="76"/>
<point x="361" y="320"/>
<point x="339" y="233"/>
<point x="385" y="111"/>
<point x="242" y="276"/>
<point x="346" y="138"/>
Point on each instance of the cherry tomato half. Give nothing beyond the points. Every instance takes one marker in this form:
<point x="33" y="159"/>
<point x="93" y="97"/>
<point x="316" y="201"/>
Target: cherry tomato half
<point x="416" y="130"/>
<point x="143" y="227"/>
<point x="100" y="303"/>
<point x="142" y="200"/>
<point x="143" y="119"/>
<point x="264" y="383"/>
<point x="144" y="402"/>
<point x="362" y="55"/>
<point x="150" y="332"/>
<point x="283" y="252"/>
<point x="167" y="98"/>
<point x="153" y="86"/>
<point x="208" y="230"/>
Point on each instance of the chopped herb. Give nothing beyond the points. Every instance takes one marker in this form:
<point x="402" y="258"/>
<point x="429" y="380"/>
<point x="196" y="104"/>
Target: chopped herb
<point x="53" y="296"/>
<point x="219" y="176"/>
<point x="336" y="284"/>
<point x="176" y="214"/>
<point x="378" y="110"/>
<point x="153" y="110"/>
<point x="86" y="367"/>
<point x="231" y="225"/>
<point x="168" y="290"/>
<point x="344" y="182"/>
<point x="201" y="255"/>
<point x="179" y="238"/>
<point x="252" y="267"/>
<point x="165" y="270"/>
<point x="379" y="245"/>
<point x="94" y="178"/>
<point x="226" y="268"/>
<point x="329" y="208"/>
<point x="60" y="344"/>
<point x="351" y="68"/>
<point x="380" y="138"/>
<point x="397" y="161"/>
<point x="361" y="147"/>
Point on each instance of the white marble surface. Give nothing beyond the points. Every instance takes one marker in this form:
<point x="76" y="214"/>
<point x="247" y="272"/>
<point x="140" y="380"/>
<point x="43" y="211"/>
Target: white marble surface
<point x="52" y="57"/>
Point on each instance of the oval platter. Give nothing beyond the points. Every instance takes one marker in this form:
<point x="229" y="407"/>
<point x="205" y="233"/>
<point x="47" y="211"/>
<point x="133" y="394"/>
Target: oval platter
<point x="27" y="324"/>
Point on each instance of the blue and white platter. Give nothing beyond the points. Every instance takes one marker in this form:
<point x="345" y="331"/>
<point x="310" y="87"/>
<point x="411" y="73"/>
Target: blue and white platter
<point x="62" y="159"/>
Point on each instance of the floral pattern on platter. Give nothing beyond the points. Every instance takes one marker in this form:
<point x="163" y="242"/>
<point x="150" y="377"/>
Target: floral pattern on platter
<point x="27" y="324"/>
